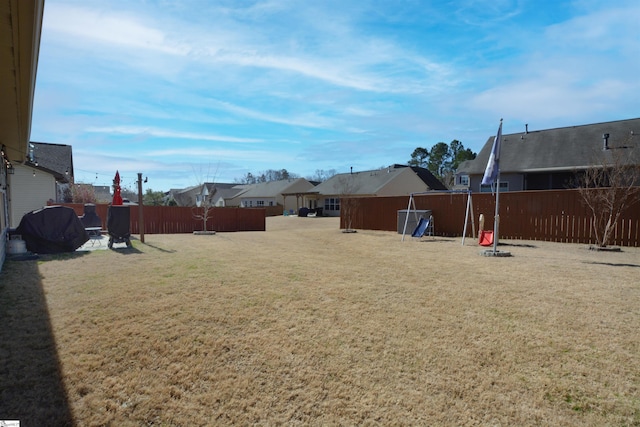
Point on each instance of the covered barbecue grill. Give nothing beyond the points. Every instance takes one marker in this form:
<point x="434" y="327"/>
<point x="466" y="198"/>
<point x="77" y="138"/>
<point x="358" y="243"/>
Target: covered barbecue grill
<point x="52" y="230"/>
<point x="118" y="217"/>
<point x="118" y="222"/>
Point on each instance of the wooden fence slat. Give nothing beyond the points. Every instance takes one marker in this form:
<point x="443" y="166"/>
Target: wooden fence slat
<point x="177" y="219"/>
<point x="552" y="215"/>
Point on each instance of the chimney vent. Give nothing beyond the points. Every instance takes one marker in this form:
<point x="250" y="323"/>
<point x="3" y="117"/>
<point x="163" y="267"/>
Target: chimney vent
<point x="526" y="128"/>
<point x="605" y="140"/>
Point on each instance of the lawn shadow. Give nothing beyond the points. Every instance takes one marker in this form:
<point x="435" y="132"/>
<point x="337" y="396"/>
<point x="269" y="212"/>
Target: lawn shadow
<point x="32" y="386"/>
<point x="429" y="239"/>
<point x="612" y="264"/>
<point x="520" y="245"/>
<point x="168" y="251"/>
<point x="62" y="255"/>
<point x="125" y="250"/>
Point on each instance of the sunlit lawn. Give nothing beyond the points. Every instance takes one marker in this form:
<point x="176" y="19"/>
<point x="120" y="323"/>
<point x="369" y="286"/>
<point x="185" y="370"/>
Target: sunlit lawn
<point x="303" y="324"/>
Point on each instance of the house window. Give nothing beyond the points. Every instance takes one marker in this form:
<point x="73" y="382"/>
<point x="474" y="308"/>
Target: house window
<point x="271" y="203"/>
<point x="260" y="203"/>
<point x="463" y="180"/>
<point x="332" y="204"/>
<point x="504" y="186"/>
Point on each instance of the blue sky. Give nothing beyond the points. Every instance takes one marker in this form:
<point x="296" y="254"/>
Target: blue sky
<point x="208" y="90"/>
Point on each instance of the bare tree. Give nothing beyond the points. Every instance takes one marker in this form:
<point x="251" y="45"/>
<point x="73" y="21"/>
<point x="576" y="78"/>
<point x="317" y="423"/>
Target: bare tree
<point x="203" y="210"/>
<point x="608" y="188"/>
<point x="322" y="175"/>
<point x="349" y="186"/>
<point x="83" y="193"/>
<point x="266" y="176"/>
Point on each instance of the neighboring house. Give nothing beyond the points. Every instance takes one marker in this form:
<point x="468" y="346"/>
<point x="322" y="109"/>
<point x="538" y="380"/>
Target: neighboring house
<point x="396" y="180"/>
<point x="20" y="31"/>
<point x="103" y="193"/>
<point x="185" y="196"/>
<point x="550" y="159"/>
<point x="29" y="189"/>
<point x="56" y="159"/>
<point x="217" y="193"/>
<point x="224" y="195"/>
<point x="271" y="193"/>
<point x="43" y="178"/>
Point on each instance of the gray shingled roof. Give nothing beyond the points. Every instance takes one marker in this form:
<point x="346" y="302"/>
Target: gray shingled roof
<point x="54" y="158"/>
<point x="270" y="188"/>
<point x="187" y="196"/>
<point x="229" y="192"/>
<point x="567" y="148"/>
<point x="428" y="178"/>
<point x="370" y="182"/>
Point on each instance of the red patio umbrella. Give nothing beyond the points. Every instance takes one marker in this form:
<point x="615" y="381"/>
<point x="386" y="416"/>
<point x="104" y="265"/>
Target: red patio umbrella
<point x="117" y="198"/>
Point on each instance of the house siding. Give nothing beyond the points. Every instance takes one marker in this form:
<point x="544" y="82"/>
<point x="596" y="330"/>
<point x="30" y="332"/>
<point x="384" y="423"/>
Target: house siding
<point x="265" y="192"/>
<point x="290" y="202"/>
<point x="392" y="181"/>
<point x="548" y="159"/>
<point x="254" y="202"/>
<point x="515" y="181"/>
<point x="324" y="205"/>
<point x="28" y="192"/>
<point x="218" y="202"/>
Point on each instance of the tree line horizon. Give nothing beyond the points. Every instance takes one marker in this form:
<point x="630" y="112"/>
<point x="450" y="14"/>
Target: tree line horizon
<point x="441" y="160"/>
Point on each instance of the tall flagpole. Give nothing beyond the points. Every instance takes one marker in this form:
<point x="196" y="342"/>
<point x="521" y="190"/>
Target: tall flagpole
<point x="496" y="216"/>
<point x="492" y="177"/>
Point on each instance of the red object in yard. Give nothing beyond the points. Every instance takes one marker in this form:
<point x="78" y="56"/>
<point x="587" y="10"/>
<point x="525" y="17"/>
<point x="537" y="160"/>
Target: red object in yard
<point x="486" y="238"/>
<point x="117" y="198"/>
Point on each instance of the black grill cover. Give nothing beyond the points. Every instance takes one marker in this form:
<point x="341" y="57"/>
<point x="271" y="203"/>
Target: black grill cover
<point x="90" y="217"/>
<point x="52" y="230"/>
<point x="118" y="220"/>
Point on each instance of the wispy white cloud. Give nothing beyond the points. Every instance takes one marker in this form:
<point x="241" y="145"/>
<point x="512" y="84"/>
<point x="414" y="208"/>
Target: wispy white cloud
<point x="358" y="61"/>
<point x="614" y="27"/>
<point x="310" y="119"/>
<point x="164" y="133"/>
<point x="577" y="70"/>
<point x="549" y="100"/>
<point x="93" y="25"/>
<point x="485" y="13"/>
<point x="320" y="85"/>
<point x="220" y="153"/>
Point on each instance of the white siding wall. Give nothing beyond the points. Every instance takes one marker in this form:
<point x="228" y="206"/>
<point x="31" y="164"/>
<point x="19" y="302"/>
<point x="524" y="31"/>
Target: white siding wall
<point x="324" y="203"/>
<point x="28" y="192"/>
<point x="291" y="202"/>
<point x="218" y="202"/>
<point x="253" y="202"/>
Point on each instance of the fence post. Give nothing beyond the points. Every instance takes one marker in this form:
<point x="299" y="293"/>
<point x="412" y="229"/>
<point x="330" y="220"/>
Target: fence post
<point x="140" y="209"/>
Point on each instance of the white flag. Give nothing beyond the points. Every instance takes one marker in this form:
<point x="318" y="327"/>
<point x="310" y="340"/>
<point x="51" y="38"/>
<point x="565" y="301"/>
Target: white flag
<point x="493" y="165"/>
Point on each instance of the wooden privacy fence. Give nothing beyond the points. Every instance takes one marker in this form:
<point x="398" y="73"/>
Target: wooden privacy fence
<point x="177" y="219"/>
<point x="554" y="215"/>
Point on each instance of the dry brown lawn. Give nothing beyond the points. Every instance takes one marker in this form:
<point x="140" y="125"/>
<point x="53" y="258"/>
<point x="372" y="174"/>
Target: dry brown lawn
<point x="306" y="325"/>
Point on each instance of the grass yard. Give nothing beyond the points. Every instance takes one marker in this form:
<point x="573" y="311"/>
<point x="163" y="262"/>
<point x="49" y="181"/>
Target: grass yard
<point x="305" y="325"/>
